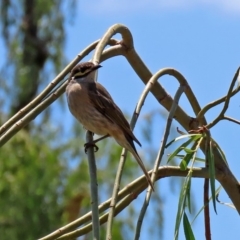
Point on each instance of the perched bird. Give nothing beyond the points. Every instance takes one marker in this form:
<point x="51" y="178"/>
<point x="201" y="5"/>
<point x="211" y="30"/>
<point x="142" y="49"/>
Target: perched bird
<point x="92" y="105"/>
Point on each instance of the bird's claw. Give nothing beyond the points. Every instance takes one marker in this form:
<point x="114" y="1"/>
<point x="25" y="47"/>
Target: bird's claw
<point x="90" y="144"/>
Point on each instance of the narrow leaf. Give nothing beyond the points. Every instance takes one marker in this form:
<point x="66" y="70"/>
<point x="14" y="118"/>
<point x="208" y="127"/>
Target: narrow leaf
<point x="192" y="136"/>
<point x="181" y="203"/>
<point x="187" y="228"/>
<point x="197" y="159"/>
<point x="184" y="163"/>
<point x="210" y="199"/>
<point x="188" y="200"/>
<point x="189" y="150"/>
<point x="212" y="175"/>
<point x="179" y="149"/>
<point x="221" y="152"/>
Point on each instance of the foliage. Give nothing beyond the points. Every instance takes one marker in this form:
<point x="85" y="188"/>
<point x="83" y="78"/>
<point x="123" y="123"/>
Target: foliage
<point x="44" y="172"/>
<point x="34" y="47"/>
<point x="31" y="184"/>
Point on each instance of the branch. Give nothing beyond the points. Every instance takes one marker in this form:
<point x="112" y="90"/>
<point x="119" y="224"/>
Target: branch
<point x="162" y="145"/>
<point x="93" y="187"/>
<point x="27" y="114"/>
<point x="226" y="103"/>
<point x="127" y="194"/>
<point x="48" y="89"/>
<point x="127" y="43"/>
<point x="225" y="99"/>
<point x="118" y="28"/>
<point x="229" y="182"/>
<point x="231" y="119"/>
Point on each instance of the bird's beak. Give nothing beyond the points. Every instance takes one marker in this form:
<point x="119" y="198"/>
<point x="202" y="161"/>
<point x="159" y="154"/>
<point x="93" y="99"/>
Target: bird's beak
<point x="95" y="67"/>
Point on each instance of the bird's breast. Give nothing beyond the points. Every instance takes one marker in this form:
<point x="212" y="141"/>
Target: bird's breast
<point x="83" y="110"/>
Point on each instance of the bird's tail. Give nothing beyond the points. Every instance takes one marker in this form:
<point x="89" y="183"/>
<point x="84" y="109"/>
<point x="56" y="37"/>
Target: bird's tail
<point x="140" y="163"/>
<point x="126" y="141"/>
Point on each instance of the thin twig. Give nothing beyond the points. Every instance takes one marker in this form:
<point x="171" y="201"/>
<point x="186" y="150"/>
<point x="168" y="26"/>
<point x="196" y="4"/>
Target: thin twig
<point x="225" y="99"/>
<point x="93" y="187"/>
<point x="138" y="185"/>
<point x="32" y="113"/>
<point x="197" y="172"/>
<point x="114" y="198"/>
<point x="215" y="103"/>
<point x="48" y="89"/>
<point x="116" y="188"/>
<point x="229" y="182"/>
<point x="119" y="207"/>
<point x="206" y="190"/>
<point x="231" y="119"/>
<point x="159" y="92"/>
<point x="206" y="209"/>
<point x="127" y="42"/>
<point x="161" y="149"/>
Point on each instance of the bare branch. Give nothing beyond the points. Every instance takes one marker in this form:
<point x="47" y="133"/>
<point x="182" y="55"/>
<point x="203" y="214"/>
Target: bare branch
<point x="127" y="194"/>
<point x="93" y="187"/>
<point x="225" y="99"/>
<point x="231" y="119"/>
<point x="30" y="112"/>
<point x="162" y="144"/>
<point x="47" y="90"/>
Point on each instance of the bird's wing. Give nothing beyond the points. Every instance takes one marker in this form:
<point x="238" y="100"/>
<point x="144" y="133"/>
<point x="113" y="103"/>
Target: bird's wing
<point x="104" y="103"/>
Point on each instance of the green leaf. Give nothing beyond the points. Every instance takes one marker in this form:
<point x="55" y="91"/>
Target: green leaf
<point x="221" y="151"/>
<point x="201" y="209"/>
<point x="212" y="174"/>
<point x="181" y="156"/>
<point x="187" y="228"/>
<point x="182" y="147"/>
<point x="188" y="199"/>
<point x="189" y="150"/>
<point x="194" y="137"/>
<point x="184" y="163"/>
<point x="182" y="203"/>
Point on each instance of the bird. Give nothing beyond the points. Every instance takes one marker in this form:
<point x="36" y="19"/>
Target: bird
<point x="92" y="105"/>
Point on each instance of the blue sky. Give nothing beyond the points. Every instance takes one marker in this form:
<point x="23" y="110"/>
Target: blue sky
<point x="200" y="39"/>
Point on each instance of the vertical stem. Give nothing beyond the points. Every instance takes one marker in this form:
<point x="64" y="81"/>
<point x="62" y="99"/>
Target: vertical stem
<point x="206" y="210"/>
<point x="94" y="187"/>
<point x="115" y="195"/>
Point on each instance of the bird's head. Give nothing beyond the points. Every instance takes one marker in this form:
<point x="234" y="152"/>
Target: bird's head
<point x="82" y="70"/>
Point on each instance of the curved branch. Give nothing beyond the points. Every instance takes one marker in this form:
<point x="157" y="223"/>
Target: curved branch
<point x="162" y="145"/>
<point x="34" y="108"/>
<point x="113" y="204"/>
<point x="229" y="182"/>
<point x="226" y="103"/>
<point x="223" y="99"/>
<point x="117" y="28"/>
<point x="161" y="95"/>
<point x="48" y="89"/>
<point x="131" y="191"/>
<point x="127" y="42"/>
<point x="231" y="119"/>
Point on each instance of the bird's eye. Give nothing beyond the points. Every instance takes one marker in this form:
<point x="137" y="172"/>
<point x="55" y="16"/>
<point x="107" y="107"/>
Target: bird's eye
<point x="81" y="71"/>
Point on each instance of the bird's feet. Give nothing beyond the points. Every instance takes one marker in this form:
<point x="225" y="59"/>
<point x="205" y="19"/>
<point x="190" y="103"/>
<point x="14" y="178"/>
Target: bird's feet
<point x="90" y="144"/>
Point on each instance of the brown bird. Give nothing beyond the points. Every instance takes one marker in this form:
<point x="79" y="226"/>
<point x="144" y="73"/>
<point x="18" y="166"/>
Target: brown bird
<point x="91" y="104"/>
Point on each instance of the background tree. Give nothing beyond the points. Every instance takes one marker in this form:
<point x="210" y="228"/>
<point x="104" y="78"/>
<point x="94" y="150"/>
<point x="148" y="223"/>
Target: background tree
<point x="157" y="61"/>
<point x="38" y="170"/>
